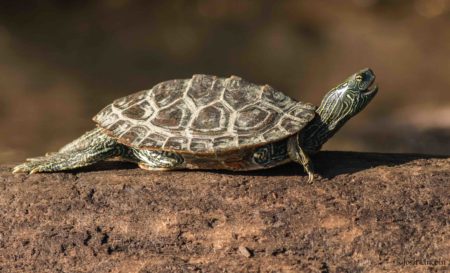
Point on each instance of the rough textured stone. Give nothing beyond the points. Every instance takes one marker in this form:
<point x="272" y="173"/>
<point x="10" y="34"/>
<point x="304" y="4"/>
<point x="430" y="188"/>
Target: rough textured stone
<point x="370" y="212"/>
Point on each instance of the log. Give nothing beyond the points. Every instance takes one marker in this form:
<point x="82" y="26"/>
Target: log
<point x="368" y="213"/>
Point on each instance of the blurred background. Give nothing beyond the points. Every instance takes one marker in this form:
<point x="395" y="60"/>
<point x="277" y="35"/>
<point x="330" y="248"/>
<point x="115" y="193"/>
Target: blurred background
<point x="63" y="61"/>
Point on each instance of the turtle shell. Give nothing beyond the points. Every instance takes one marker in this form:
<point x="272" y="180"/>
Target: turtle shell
<point x="204" y="115"/>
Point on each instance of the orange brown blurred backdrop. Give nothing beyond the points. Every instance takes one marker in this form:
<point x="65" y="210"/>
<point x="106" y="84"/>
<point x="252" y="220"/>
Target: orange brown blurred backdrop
<point x="62" y="61"/>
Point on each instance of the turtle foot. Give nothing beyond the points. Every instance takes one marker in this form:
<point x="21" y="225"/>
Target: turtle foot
<point x="90" y="148"/>
<point x="52" y="163"/>
<point x="22" y="168"/>
<point x="34" y="165"/>
<point x="312" y="177"/>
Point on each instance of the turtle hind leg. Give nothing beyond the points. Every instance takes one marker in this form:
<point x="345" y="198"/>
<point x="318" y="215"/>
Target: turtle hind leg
<point x="96" y="149"/>
<point x="63" y="161"/>
<point x="83" y="142"/>
<point x="156" y="160"/>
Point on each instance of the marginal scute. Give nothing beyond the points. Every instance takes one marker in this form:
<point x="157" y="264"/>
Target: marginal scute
<point x="107" y="117"/>
<point x="249" y="140"/>
<point x="152" y="140"/>
<point x="126" y="102"/>
<point x="135" y="135"/>
<point x="119" y="127"/>
<point x="303" y="111"/>
<point x="273" y="132"/>
<point x="199" y="145"/>
<point x="176" y="143"/>
<point x="223" y="142"/>
<point x="204" y="115"/>
<point x="288" y="124"/>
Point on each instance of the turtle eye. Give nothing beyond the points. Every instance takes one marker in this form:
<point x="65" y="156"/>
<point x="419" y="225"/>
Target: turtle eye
<point x="359" y="78"/>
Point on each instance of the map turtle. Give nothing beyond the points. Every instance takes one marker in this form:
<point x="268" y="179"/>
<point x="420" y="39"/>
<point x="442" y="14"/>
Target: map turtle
<point x="208" y="122"/>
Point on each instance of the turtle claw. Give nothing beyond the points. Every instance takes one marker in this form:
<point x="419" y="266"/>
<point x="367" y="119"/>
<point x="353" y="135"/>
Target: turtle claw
<point x="35" y="166"/>
<point x="310" y="178"/>
<point x="35" y="170"/>
<point x="16" y="170"/>
<point x="29" y="167"/>
<point x="22" y="168"/>
<point x="314" y="177"/>
<point x="42" y="167"/>
<point x="26" y="169"/>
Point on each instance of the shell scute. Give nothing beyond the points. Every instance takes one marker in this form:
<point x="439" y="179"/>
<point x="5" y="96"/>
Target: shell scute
<point x="273" y="132"/>
<point x="176" y="143"/>
<point x="139" y="111"/>
<point x="128" y="101"/>
<point x="174" y="117"/>
<point x="223" y="142"/>
<point x="167" y="92"/>
<point x="204" y="90"/>
<point x="200" y="144"/>
<point x="255" y="119"/>
<point x="274" y="97"/>
<point x="135" y="134"/>
<point x="204" y="115"/>
<point x="212" y="119"/>
<point x="305" y="111"/>
<point x="239" y="93"/>
<point x="119" y="128"/>
<point x="152" y="140"/>
<point x="247" y="140"/>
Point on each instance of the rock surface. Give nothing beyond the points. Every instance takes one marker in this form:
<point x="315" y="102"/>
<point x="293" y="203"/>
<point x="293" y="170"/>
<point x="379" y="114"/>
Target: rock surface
<point x="369" y="213"/>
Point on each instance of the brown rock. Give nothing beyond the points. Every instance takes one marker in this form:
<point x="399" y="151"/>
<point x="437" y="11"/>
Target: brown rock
<point x="245" y="251"/>
<point x="370" y="213"/>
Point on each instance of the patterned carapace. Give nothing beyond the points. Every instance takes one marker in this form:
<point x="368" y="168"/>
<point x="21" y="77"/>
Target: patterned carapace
<point x="204" y="115"/>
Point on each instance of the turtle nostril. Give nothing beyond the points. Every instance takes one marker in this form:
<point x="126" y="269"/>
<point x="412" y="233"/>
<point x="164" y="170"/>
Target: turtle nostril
<point x="369" y="73"/>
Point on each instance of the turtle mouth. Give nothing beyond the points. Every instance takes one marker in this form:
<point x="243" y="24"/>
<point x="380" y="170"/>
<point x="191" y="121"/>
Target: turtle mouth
<point x="371" y="89"/>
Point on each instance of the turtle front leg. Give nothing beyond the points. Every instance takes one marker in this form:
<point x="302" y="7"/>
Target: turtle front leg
<point x="96" y="148"/>
<point x="297" y="154"/>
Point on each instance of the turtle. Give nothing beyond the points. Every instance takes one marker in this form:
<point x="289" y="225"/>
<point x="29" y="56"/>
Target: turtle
<point x="209" y="122"/>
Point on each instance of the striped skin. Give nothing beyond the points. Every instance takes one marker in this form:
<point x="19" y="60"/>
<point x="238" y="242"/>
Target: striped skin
<point x="92" y="147"/>
<point x="337" y="107"/>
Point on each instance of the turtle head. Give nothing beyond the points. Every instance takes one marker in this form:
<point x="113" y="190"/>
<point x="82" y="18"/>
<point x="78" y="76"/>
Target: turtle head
<point x="338" y="106"/>
<point x="348" y="98"/>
